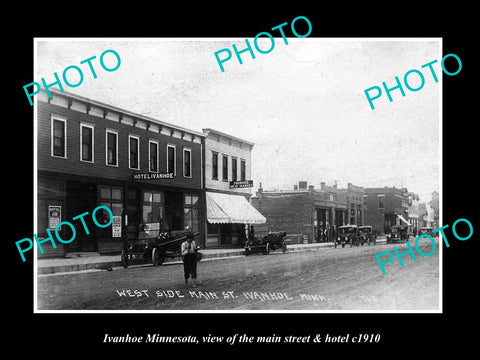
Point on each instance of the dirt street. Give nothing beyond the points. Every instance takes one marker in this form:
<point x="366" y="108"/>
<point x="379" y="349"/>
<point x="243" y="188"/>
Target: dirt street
<point x="327" y="279"/>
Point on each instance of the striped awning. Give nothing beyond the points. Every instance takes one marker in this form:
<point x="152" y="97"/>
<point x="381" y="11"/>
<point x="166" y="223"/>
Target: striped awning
<point x="231" y="209"/>
<point x="403" y="219"/>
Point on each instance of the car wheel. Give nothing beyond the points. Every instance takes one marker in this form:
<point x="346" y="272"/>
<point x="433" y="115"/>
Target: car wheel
<point x="124" y="259"/>
<point x="157" y="257"/>
<point x="343" y="245"/>
<point x="266" y="250"/>
<point x="284" y="247"/>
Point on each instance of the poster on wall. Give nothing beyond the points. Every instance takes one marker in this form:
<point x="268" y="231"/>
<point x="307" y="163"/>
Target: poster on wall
<point x="54" y="216"/>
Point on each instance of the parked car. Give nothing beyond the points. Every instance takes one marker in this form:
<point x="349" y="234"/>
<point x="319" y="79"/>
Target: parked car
<point x="366" y="234"/>
<point x="399" y="233"/>
<point x="271" y="241"/>
<point x="347" y="234"/>
<point x="156" y="249"/>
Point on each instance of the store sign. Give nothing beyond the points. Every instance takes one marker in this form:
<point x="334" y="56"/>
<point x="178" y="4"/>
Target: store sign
<point x="54" y="216"/>
<point x="117" y="226"/>
<point x="241" y="184"/>
<point x="152" y="176"/>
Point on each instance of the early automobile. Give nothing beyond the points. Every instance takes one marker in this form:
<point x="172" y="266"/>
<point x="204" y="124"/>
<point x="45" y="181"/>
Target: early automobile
<point x="366" y="235"/>
<point x="399" y="233"/>
<point x="156" y="249"/>
<point x="425" y="230"/>
<point x="347" y="234"/>
<point x="271" y="241"/>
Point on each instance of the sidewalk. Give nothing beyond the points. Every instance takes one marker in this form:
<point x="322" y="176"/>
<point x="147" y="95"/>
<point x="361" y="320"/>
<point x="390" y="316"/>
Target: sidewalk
<point x="108" y="262"/>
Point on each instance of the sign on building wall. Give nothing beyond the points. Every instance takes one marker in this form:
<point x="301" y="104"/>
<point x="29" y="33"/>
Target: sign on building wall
<point x="241" y="184"/>
<point x="117" y="226"/>
<point x="54" y="216"/>
<point x="152" y="176"/>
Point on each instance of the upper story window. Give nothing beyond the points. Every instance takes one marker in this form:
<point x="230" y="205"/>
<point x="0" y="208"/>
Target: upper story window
<point x="225" y="168"/>
<point x="86" y="143"/>
<point x="133" y="152"/>
<point x="234" y="169"/>
<point x="187" y="163"/>
<point x="214" y="165"/>
<point x="59" y="137"/>
<point x="112" y="148"/>
<point x="242" y="170"/>
<point x="153" y="156"/>
<point x="381" y="201"/>
<point x="171" y="159"/>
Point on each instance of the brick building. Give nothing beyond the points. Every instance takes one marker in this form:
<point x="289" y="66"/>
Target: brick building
<point x="308" y="214"/>
<point x="385" y="207"/>
<point x="148" y="172"/>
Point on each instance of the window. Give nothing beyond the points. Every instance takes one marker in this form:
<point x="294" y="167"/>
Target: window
<point x="133" y="152"/>
<point x="242" y="170"/>
<point x="152" y="207"/>
<point x="112" y="198"/>
<point x="191" y="213"/>
<point x="86" y="141"/>
<point x="59" y="137"/>
<point x="187" y="163"/>
<point x="171" y="168"/>
<point x="234" y="169"/>
<point x="381" y="199"/>
<point x="112" y="148"/>
<point x="153" y="156"/>
<point x="214" y="166"/>
<point x="225" y="168"/>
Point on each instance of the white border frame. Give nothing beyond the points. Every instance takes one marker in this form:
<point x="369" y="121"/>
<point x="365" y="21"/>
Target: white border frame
<point x="440" y="159"/>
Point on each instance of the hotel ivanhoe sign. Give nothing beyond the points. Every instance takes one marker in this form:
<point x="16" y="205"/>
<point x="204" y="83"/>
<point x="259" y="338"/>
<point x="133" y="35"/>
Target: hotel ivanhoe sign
<point x="241" y="184"/>
<point x="152" y="176"/>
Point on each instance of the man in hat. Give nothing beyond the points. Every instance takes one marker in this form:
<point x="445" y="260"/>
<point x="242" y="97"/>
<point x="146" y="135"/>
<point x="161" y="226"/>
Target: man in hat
<point x="189" y="256"/>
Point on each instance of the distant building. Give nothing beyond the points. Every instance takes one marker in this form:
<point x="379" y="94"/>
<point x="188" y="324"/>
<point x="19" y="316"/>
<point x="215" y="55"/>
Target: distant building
<point x="385" y="207"/>
<point x="308" y="214"/>
<point x="413" y="212"/>
<point x="435" y="205"/>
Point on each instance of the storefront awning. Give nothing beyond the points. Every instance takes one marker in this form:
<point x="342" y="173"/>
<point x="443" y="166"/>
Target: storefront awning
<point x="403" y="219"/>
<point x="231" y="209"/>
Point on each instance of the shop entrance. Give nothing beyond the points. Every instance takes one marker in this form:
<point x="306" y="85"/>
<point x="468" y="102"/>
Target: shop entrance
<point x="81" y="198"/>
<point x="174" y="210"/>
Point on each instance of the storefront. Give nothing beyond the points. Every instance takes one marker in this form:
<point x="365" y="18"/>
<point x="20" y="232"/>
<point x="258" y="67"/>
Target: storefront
<point x="227" y="217"/>
<point x="139" y="211"/>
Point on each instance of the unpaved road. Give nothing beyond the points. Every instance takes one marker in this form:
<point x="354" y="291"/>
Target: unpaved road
<point x="327" y="279"/>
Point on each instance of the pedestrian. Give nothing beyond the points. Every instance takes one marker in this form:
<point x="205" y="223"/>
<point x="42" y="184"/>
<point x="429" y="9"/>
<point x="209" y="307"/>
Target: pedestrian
<point x="189" y="256"/>
<point x="251" y="235"/>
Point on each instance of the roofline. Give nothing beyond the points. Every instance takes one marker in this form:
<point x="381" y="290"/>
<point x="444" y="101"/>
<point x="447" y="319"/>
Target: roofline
<point x="205" y="130"/>
<point x="123" y="111"/>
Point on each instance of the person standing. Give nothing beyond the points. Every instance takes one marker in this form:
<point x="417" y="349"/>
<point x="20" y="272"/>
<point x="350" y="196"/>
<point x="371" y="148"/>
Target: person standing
<point x="189" y="256"/>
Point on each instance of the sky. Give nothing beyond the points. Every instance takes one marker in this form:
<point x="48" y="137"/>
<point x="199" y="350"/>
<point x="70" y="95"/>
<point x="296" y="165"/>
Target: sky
<point x="302" y="104"/>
